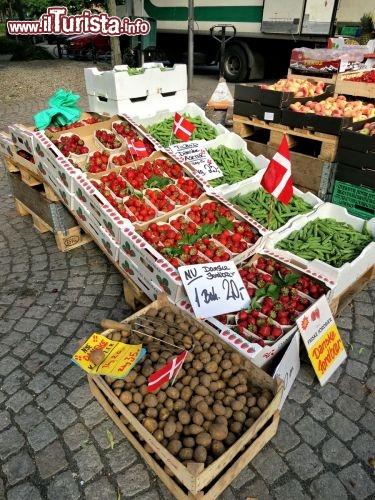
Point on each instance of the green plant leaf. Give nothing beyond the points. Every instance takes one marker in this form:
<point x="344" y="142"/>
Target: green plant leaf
<point x="111" y="441"/>
<point x="156" y="181"/>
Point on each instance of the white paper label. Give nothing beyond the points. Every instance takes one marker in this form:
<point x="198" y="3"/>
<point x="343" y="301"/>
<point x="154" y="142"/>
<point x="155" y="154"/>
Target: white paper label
<point x="195" y="154"/>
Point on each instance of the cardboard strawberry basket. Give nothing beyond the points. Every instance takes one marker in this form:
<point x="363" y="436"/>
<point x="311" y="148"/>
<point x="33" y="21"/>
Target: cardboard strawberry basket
<point x="192" y="479"/>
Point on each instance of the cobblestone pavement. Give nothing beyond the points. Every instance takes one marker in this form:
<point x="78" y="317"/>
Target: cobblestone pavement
<point x="53" y="433"/>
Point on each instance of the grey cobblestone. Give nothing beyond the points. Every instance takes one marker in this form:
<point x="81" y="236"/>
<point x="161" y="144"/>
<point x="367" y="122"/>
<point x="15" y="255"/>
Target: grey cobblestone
<point x="344" y="428"/>
<point x="52" y="344"/>
<point x="368" y="421"/>
<point x="62" y="416"/>
<point x="344" y="322"/>
<point x="88" y="462"/>
<point x="37" y="312"/>
<point x="328" y="487"/>
<point x="28" y="418"/>
<point x="101" y="437"/>
<point x="80" y="396"/>
<point x="76" y="436"/>
<point x="24" y="349"/>
<point x="49" y="398"/>
<point x="134" y="480"/>
<point x="100" y="490"/>
<point x="71" y="377"/>
<point x="93" y="414"/>
<point x="63" y="487"/>
<point x="292" y="490"/>
<point x="57" y="364"/>
<point x="329" y="393"/>
<point x="257" y="489"/>
<point x="40" y="382"/>
<point x="67" y="328"/>
<point x="319" y="409"/>
<point x="122" y="456"/>
<point x="311" y="432"/>
<point x="269" y="465"/>
<point x="35" y="362"/>
<point x="25" y="325"/>
<point x="350" y="407"/>
<point x="19" y="400"/>
<point x="244" y="477"/>
<point x="24" y="491"/>
<point x="41" y="435"/>
<point x="10" y="442"/>
<point x="39" y="334"/>
<point x="356" y="369"/>
<point x="364" y="447"/>
<point x="19" y="467"/>
<point x="335" y="452"/>
<point x="13" y="382"/>
<point x="363" y="308"/>
<point x="4" y="419"/>
<point x="352" y="387"/>
<point x="51" y="460"/>
<point x="7" y="365"/>
<point x="304" y="462"/>
<point x="299" y="393"/>
<point x="291" y="412"/>
<point x="357" y="482"/>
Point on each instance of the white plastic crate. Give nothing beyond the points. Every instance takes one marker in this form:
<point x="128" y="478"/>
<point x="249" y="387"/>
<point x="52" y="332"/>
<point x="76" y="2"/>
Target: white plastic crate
<point x="339" y="279"/>
<point x="141" y="108"/>
<point x="252" y="184"/>
<point x="117" y="84"/>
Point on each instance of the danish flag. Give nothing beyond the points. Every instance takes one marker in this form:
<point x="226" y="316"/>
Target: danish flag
<point x="137" y="148"/>
<point x="182" y="128"/>
<point x="168" y="371"/>
<point x="277" y="179"/>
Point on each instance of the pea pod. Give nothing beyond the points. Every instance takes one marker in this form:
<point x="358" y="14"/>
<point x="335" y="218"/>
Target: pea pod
<point x="328" y="240"/>
<point x="162" y="131"/>
<point x="257" y="204"/>
<point x="234" y="164"/>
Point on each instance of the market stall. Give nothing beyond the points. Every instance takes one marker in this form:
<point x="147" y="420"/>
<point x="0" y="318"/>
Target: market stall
<point x="168" y="195"/>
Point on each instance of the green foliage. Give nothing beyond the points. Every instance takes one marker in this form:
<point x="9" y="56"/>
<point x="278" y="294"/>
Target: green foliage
<point x="22" y="51"/>
<point x="367" y="21"/>
<point x="33" y="9"/>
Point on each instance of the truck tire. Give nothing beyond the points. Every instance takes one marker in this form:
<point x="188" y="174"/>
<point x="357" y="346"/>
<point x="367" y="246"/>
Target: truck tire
<point x="236" y="64"/>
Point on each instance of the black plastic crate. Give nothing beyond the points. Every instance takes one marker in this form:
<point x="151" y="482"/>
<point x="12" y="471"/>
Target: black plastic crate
<point x="355" y="175"/>
<point x="254" y="109"/>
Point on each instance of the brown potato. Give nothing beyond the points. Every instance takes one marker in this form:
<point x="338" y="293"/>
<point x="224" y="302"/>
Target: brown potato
<point x="203" y="439"/>
<point x="262" y="402"/>
<point x="200" y="454"/>
<point x="150" y="400"/>
<point x="137" y="398"/>
<point x="201" y="390"/>
<point x="197" y="418"/>
<point x="211" y="367"/>
<point x="218" y="432"/>
<point x="255" y="412"/>
<point x="239" y="416"/>
<point x="205" y="380"/>
<point x="152" y="412"/>
<point x="194" y="429"/>
<point x="217" y="448"/>
<point x="184" y="417"/>
<point x="185" y="454"/>
<point x="150" y="424"/>
<point x="174" y="447"/>
<point x="158" y="435"/>
<point x="189" y="442"/>
<point x="126" y="397"/>
<point x="218" y="408"/>
<point x="172" y="393"/>
<point x="186" y="394"/>
<point x="164" y="414"/>
<point x="226" y="364"/>
<point x="169" y="429"/>
<point x="236" y="427"/>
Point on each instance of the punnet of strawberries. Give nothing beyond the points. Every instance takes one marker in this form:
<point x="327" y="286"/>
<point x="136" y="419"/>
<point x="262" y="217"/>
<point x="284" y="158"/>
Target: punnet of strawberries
<point x="97" y="162"/>
<point x="108" y="139"/>
<point x="73" y="143"/>
<point x="366" y="77"/>
<point x="26" y="155"/>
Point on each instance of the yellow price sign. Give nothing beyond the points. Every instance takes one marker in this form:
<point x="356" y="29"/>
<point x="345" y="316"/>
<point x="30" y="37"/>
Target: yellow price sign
<point x="119" y="358"/>
<point x="322" y="339"/>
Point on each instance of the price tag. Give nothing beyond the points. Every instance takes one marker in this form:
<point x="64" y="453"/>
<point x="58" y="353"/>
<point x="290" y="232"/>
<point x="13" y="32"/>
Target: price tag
<point x="322" y="339"/>
<point x="288" y="367"/>
<point x="119" y="358"/>
<point x="195" y="154"/>
<point x="269" y="116"/>
<point x="214" y="288"/>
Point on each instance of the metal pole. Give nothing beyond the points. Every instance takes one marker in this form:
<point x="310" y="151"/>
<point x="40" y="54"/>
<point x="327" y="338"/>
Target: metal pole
<point x="190" y="43"/>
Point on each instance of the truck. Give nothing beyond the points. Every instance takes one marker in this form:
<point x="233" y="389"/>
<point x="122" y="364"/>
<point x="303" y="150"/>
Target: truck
<point x="265" y="30"/>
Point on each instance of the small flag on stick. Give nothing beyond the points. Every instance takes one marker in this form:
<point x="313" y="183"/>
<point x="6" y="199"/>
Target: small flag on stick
<point x="182" y="128"/>
<point x="277" y="179"/>
<point x="137" y="148"/>
<point x="166" y="373"/>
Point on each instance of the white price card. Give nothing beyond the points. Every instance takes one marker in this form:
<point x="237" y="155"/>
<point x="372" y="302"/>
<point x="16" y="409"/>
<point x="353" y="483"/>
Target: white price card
<point x="193" y="152"/>
<point x="289" y="367"/>
<point x="214" y="288"/>
<point x="322" y="339"/>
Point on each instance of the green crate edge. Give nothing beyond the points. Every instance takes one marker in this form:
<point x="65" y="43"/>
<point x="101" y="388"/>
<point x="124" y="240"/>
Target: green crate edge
<point x="349" y="200"/>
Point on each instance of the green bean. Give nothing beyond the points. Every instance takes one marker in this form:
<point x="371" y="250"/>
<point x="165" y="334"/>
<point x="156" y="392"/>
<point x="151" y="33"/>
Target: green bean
<point x="234" y="164"/>
<point x="328" y="240"/>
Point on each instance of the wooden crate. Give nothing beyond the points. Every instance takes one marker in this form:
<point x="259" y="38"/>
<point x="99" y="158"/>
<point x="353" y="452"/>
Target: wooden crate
<point x="339" y="303"/>
<point x="47" y="215"/>
<point x="358" y="89"/>
<point x="326" y="144"/>
<point x="31" y="178"/>
<point x="133" y="295"/>
<point x="331" y="78"/>
<point x="308" y="173"/>
<point x="193" y="481"/>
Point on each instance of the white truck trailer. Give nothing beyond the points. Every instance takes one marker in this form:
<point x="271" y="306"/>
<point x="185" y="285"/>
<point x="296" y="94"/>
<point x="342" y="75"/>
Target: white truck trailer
<point x="266" y="30"/>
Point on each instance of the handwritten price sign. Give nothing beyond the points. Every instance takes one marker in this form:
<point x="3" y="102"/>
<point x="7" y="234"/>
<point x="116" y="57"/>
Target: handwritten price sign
<point x="215" y="288"/>
<point x="119" y="358"/>
<point x="322" y="339"/>
<point x="195" y="154"/>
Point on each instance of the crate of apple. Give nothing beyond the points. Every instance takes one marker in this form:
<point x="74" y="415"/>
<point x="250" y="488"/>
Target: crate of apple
<point x="108" y="140"/>
<point x="71" y="144"/>
<point x="97" y="162"/>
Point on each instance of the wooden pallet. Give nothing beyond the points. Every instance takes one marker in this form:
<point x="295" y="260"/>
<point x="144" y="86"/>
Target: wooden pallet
<point x="245" y="127"/>
<point x="351" y="88"/>
<point x="193" y="481"/>
<point x="66" y="240"/>
<point x="31" y="177"/>
<point x="133" y="295"/>
<point x="339" y="303"/>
